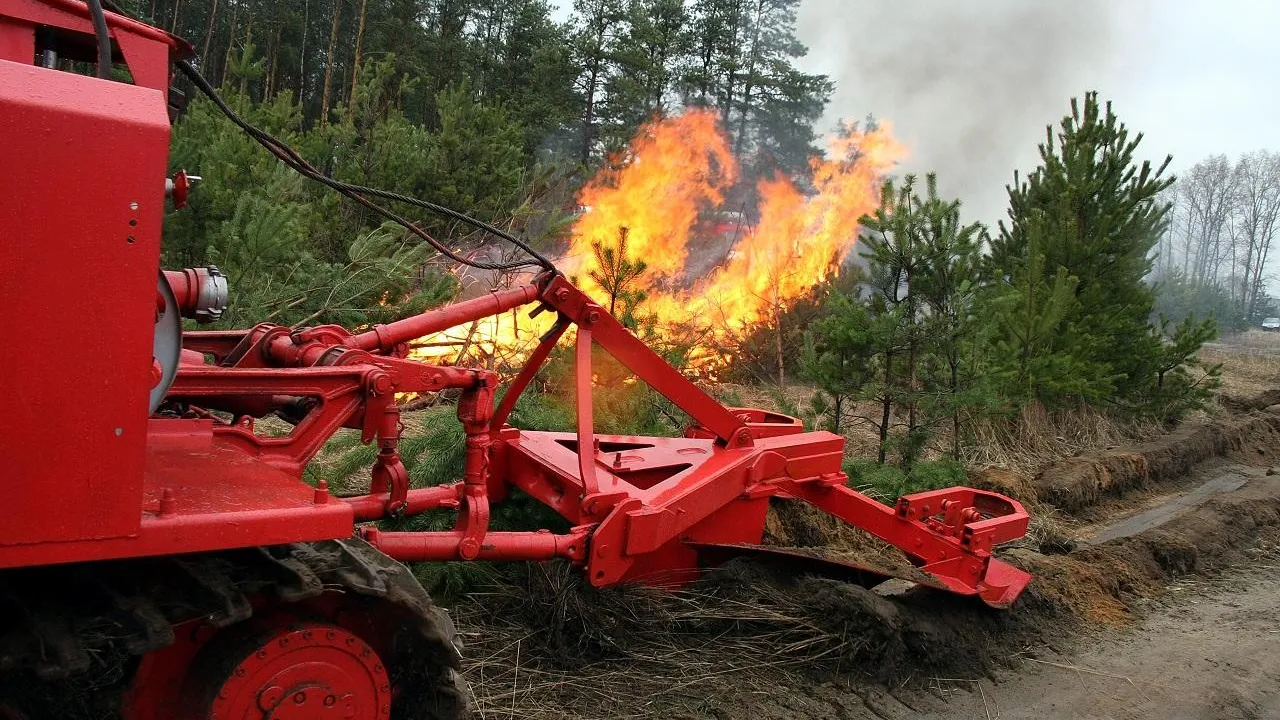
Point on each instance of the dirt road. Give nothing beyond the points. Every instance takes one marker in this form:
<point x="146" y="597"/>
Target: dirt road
<point x="1210" y="650"/>
<point x="1212" y="654"/>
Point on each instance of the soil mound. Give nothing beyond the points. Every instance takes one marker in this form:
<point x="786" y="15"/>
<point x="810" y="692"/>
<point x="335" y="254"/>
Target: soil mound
<point x="1077" y="482"/>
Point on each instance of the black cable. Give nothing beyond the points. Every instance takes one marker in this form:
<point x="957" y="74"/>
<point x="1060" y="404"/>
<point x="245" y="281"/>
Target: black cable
<point x="357" y="193"/>
<point x="104" y="38"/>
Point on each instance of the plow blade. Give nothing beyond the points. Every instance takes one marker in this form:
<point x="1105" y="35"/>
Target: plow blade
<point x="1001" y="586"/>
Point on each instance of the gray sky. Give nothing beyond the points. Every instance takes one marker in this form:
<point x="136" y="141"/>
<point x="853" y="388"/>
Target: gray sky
<point x="970" y="84"/>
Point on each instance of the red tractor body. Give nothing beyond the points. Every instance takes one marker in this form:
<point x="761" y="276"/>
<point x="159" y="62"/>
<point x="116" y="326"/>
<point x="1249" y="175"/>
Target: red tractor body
<point x="84" y="165"/>
<point x="139" y="446"/>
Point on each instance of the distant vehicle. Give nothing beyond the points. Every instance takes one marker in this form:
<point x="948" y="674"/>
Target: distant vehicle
<point x="1271" y="324"/>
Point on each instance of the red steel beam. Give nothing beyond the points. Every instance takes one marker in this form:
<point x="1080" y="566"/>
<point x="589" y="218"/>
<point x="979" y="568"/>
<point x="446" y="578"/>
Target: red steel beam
<point x="611" y="335"/>
<point x="386" y="337"/>
<point x="443" y="546"/>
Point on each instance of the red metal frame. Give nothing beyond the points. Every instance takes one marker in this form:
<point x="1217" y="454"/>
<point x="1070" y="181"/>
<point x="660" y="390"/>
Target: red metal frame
<point x="200" y="477"/>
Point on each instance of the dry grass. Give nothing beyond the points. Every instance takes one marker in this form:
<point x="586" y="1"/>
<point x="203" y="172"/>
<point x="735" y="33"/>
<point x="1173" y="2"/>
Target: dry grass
<point x="1250" y="362"/>
<point x="555" y="648"/>
<point x="1038" y="437"/>
<point x="1250" y="340"/>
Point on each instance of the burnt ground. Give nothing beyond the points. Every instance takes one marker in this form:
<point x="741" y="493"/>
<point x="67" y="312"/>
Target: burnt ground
<point x="1155" y="595"/>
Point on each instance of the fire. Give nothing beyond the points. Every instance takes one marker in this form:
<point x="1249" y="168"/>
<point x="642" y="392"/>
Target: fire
<point x="675" y="172"/>
<point x="801" y="239"/>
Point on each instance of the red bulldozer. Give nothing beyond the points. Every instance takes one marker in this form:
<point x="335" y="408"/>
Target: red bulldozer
<point x="161" y="558"/>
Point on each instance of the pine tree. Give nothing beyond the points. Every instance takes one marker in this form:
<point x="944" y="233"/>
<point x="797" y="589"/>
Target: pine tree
<point x="1025" y="308"/>
<point x="744" y="65"/>
<point x="947" y="283"/>
<point x="839" y="353"/>
<point x="648" y="54"/>
<point x="894" y="246"/>
<point x="617" y="274"/>
<point x="600" y="23"/>
<point x="1096" y="213"/>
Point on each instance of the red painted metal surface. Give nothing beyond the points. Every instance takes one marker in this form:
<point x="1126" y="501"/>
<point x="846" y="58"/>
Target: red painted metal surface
<point x="249" y="672"/>
<point x="308" y="671"/>
<point x="109" y="482"/>
<point x="80" y="253"/>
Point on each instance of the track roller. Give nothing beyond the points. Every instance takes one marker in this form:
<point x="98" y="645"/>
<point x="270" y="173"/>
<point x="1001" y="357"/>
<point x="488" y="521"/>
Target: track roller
<point x="306" y="671"/>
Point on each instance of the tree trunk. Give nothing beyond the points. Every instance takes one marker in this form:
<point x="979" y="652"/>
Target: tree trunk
<point x="955" y="407"/>
<point x="248" y="40"/>
<point x="302" y="54"/>
<point x="749" y="81"/>
<point x="173" y="23"/>
<point x="782" y="365"/>
<point x="355" y="62"/>
<point x="231" y="39"/>
<point x="208" y="35"/>
<point x="886" y="410"/>
<point x="588" y="114"/>
<point x="327" y="94"/>
<point x="273" y="55"/>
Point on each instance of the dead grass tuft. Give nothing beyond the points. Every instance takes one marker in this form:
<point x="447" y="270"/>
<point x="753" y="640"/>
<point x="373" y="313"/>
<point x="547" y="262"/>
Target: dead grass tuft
<point x="553" y="647"/>
<point x="1037" y="437"/>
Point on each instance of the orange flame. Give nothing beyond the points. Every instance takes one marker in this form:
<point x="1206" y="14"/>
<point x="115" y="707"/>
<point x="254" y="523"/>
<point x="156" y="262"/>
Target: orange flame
<point x="801" y="240"/>
<point x="675" y="171"/>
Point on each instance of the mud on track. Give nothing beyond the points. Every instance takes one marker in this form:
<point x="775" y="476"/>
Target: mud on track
<point x="750" y="642"/>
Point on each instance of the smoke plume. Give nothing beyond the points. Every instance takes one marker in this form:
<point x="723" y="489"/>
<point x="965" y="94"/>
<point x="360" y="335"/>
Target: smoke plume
<point x="969" y="85"/>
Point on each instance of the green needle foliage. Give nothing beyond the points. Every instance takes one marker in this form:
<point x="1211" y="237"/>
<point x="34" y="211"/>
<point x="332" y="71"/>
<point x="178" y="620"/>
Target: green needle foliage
<point x="947" y="326"/>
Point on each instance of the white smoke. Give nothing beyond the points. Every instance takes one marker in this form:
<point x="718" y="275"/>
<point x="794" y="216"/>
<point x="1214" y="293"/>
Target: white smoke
<point x="969" y="85"/>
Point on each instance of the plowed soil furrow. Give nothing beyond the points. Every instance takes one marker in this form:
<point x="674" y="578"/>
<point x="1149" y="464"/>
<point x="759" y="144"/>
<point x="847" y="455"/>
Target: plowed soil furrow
<point x="1163" y="601"/>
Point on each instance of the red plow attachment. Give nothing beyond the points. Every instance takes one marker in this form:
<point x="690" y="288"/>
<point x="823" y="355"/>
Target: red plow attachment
<point x="644" y="509"/>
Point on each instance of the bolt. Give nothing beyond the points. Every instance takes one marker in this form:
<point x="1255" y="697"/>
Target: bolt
<point x="379" y="383"/>
<point x="562" y="294"/>
<point x="329" y="700"/>
<point x="469" y="549"/>
<point x="593" y="317"/>
<point x="299" y="698"/>
<point x="167" y="501"/>
<point x="320" y="497"/>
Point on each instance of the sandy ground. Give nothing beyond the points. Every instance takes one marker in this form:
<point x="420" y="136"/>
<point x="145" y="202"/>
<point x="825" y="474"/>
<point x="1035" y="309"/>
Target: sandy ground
<point x="1210" y="650"/>
<point x="1203" y="649"/>
<point x="1211" y="654"/>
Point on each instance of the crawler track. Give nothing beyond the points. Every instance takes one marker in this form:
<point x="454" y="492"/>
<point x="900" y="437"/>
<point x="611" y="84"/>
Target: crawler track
<point x="74" y="639"/>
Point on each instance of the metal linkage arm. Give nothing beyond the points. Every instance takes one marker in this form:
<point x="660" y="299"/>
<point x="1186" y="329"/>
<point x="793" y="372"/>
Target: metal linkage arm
<point x="610" y="334"/>
<point x="948" y="533"/>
